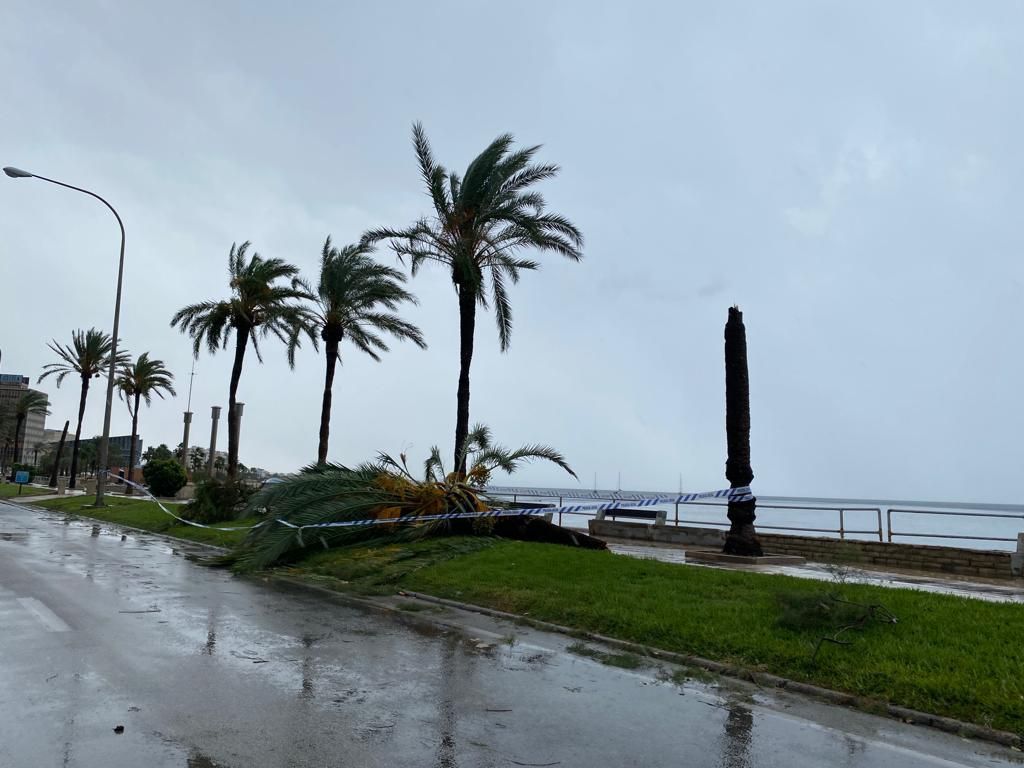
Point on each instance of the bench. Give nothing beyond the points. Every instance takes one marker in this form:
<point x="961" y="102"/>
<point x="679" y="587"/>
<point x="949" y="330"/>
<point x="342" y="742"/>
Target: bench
<point x="534" y="505"/>
<point x="657" y="516"/>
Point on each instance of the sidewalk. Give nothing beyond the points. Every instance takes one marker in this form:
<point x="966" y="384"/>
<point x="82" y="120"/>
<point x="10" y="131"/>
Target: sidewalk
<point x="995" y="591"/>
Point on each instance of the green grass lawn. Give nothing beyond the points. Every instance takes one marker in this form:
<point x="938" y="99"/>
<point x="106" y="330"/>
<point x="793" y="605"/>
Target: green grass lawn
<point x="946" y="655"/>
<point x="140" y="513"/>
<point x="10" y="490"/>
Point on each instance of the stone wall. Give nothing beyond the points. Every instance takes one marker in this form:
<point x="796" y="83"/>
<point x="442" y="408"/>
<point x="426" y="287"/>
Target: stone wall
<point x="921" y="557"/>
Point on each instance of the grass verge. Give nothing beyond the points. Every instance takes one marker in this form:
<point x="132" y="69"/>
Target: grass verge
<point x="139" y="513"/>
<point x="10" y="490"/>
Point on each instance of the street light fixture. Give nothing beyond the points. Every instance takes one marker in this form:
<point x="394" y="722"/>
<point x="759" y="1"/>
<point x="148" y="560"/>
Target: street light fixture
<point x="101" y="481"/>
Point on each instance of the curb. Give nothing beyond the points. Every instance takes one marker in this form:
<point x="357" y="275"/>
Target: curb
<point x="763" y="679"/>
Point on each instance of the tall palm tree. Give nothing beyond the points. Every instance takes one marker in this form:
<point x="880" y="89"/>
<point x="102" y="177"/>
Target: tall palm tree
<point x="137" y="382"/>
<point x="86" y="356"/>
<point x="356" y="298"/>
<point x="258" y="306"/>
<point x="31" y="402"/>
<point x="480" y="224"/>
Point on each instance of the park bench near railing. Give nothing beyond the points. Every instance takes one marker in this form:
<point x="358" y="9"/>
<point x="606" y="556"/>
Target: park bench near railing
<point x="656" y="516"/>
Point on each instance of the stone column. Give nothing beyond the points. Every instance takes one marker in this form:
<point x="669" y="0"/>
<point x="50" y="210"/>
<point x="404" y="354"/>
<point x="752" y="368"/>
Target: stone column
<point x="237" y="426"/>
<point x="184" y="441"/>
<point x="215" y="415"/>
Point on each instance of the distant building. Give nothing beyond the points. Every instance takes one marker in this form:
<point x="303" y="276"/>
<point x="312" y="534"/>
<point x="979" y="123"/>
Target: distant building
<point x="12" y="387"/>
<point x="52" y="436"/>
<point x="123" y="444"/>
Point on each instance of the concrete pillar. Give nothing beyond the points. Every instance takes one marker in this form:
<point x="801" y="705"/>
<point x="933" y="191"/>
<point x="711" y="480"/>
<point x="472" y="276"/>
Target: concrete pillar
<point x="215" y="415"/>
<point x="237" y="426"/>
<point x="184" y="440"/>
<point x="1017" y="558"/>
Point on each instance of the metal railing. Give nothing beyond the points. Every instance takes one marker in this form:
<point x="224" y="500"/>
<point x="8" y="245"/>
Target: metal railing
<point x="841" y="531"/>
<point x="840" y="508"/>
<point x="965" y="537"/>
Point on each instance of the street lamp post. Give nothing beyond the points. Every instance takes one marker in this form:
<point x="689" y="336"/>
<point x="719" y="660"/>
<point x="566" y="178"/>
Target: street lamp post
<point x="101" y="480"/>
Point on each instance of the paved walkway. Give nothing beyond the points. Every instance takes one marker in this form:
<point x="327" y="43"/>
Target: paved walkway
<point x="1008" y="591"/>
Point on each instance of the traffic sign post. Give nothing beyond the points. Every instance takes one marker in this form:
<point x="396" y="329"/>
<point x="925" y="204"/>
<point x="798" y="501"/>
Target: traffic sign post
<point x="20" y="477"/>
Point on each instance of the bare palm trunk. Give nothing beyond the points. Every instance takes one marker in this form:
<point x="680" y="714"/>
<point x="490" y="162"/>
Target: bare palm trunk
<point x="241" y="341"/>
<point x="59" y="456"/>
<point x="19" y="438"/>
<point x="742" y="538"/>
<point x="131" y="449"/>
<point x="78" y="433"/>
<point x="467" y="327"/>
<point x="332" y="340"/>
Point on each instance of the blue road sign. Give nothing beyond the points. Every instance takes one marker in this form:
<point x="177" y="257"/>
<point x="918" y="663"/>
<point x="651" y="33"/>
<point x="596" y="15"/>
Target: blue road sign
<point x="21" y="477"/>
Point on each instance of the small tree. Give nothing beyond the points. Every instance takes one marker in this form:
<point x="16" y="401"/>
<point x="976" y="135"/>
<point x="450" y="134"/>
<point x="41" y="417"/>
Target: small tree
<point x="165" y="477"/>
<point x="157" y="453"/>
<point x="198" y="459"/>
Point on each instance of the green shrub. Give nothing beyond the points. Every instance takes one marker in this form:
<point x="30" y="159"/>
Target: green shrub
<point x="165" y="477"/>
<point x="217" y="500"/>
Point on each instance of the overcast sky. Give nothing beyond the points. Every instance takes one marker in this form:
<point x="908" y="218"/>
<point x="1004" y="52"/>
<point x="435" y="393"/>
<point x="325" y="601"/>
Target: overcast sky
<point x="850" y="174"/>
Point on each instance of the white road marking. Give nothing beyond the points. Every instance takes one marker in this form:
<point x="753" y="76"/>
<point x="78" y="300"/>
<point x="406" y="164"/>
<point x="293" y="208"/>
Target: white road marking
<point x="47" y="618"/>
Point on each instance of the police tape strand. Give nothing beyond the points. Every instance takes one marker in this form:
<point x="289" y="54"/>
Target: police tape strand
<point x="729" y="494"/>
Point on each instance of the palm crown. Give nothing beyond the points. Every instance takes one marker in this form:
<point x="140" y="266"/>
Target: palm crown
<point x="482" y="221"/>
<point x="143" y="379"/>
<point x="86" y="356"/>
<point x="258" y="306"/>
<point x="29" y="403"/>
<point x="352" y="291"/>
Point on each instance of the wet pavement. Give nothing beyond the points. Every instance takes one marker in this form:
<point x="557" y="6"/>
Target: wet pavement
<point x="100" y="629"/>
<point x="1000" y="591"/>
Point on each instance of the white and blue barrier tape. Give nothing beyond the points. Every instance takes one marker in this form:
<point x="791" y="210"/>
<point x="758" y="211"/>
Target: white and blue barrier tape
<point x="729" y="494"/>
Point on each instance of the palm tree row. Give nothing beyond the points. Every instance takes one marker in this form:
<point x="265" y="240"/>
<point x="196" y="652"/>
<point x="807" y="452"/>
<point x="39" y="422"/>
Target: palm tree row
<point x="86" y="357"/>
<point x="481" y="223"/>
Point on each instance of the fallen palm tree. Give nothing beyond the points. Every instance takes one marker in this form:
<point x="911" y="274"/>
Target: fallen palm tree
<point x="328" y="505"/>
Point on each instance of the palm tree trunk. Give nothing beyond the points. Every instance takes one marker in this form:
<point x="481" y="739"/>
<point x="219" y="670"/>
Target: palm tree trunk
<point x="241" y="341"/>
<point x="131" y="448"/>
<point x="78" y="433"/>
<point x="18" y="423"/>
<point x="19" y="437"/>
<point x="332" y="341"/>
<point x="58" y="456"/>
<point x="467" y="327"/>
<point x="742" y="538"/>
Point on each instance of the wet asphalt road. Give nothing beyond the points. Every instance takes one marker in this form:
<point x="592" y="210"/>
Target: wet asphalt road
<point x="204" y="669"/>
